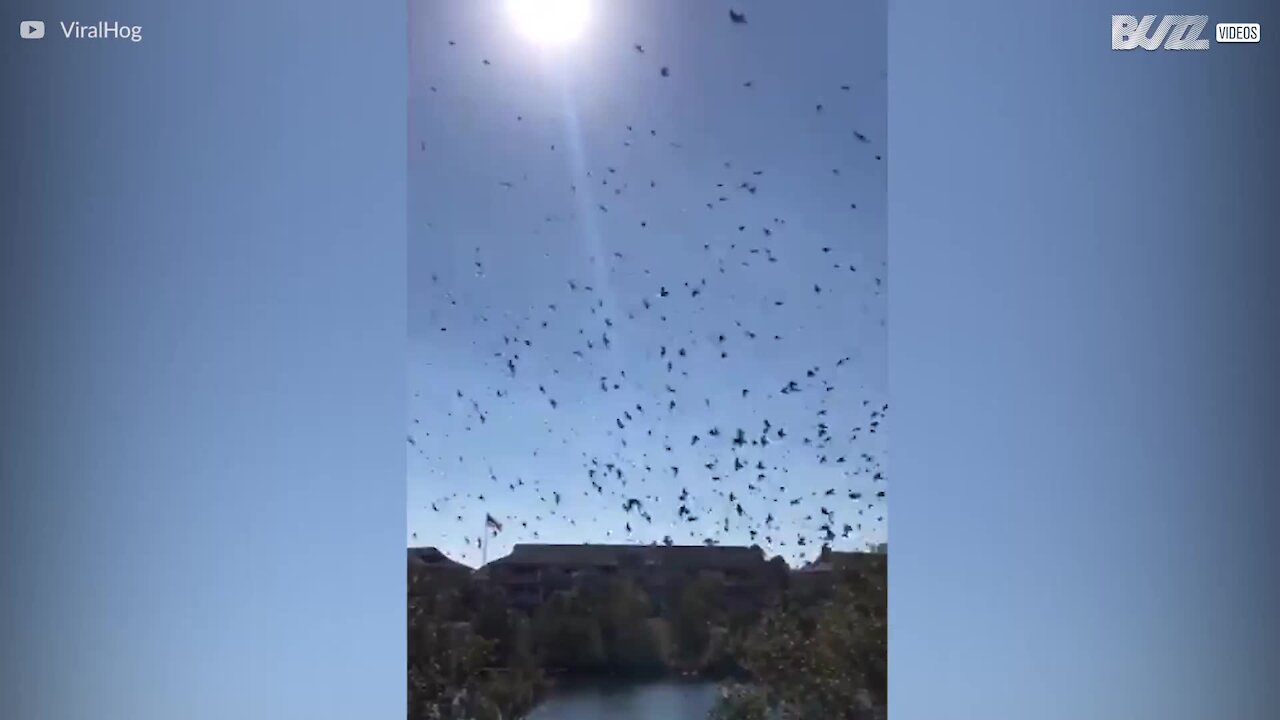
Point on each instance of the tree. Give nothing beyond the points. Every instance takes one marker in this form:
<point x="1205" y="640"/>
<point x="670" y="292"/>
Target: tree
<point x="567" y="636"/>
<point x="493" y="621"/>
<point x="628" y="637"/>
<point x="698" y="608"/>
<point x="826" y="660"/>
<point x="445" y="659"/>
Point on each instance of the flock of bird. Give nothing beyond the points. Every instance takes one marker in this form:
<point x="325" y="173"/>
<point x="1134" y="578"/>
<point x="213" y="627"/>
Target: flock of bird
<point x="647" y="381"/>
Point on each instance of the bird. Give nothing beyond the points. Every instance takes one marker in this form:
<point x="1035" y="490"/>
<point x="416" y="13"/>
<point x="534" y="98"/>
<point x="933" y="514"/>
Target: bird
<point x="738" y="18"/>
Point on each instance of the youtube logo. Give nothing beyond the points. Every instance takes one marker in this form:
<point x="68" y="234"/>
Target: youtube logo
<point x="31" y="29"/>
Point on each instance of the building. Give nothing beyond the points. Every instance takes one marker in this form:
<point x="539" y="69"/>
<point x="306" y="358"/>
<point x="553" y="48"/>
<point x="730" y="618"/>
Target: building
<point x="429" y="569"/>
<point x="819" y="576"/>
<point x="532" y="573"/>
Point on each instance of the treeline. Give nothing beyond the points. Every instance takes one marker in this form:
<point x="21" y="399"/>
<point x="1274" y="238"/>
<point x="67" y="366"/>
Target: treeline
<point x="812" y="654"/>
<point x="822" y="658"/>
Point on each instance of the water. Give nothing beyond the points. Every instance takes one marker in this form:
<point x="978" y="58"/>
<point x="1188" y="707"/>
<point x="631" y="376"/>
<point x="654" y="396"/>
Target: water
<point x="667" y="700"/>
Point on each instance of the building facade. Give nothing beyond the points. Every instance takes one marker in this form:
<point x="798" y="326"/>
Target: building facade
<point x="429" y="569"/>
<point x="819" y="577"/>
<point x="533" y="573"/>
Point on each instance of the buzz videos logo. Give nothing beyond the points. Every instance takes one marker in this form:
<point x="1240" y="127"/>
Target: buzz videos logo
<point x="1175" y="32"/>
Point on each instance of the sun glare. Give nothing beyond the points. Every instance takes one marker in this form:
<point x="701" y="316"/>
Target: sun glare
<point x="549" y="22"/>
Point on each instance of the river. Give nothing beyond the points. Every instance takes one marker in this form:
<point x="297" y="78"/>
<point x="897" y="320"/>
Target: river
<point x="665" y="700"/>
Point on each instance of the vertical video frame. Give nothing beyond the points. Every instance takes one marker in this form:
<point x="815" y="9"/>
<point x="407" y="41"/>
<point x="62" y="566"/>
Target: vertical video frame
<point x="647" y="430"/>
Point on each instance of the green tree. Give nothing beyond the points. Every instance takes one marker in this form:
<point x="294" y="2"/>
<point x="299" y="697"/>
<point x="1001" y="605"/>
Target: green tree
<point x="698" y="607"/>
<point x="629" y="639"/>
<point x="445" y="659"/>
<point x="567" y="636"/>
<point x="826" y="660"/>
<point x="493" y="621"/>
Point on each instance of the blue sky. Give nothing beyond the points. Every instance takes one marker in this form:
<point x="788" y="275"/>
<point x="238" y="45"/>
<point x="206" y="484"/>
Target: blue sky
<point x="585" y="230"/>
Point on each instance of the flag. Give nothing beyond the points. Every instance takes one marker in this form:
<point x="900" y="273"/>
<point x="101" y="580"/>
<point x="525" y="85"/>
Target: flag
<point x="490" y="522"/>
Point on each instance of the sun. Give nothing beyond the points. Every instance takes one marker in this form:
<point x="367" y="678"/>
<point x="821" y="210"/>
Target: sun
<point x="550" y="23"/>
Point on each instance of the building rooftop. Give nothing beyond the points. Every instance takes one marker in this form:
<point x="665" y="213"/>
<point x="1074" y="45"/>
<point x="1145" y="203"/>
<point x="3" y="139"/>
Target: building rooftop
<point x="828" y="559"/>
<point x="433" y="557"/>
<point x="607" y="555"/>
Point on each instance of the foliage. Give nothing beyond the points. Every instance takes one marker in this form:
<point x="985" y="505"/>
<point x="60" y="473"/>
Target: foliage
<point x="699" y="607"/>
<point x="565" y="637"/>
<point x="494" y="621"/>
<point x="827" y="660"/>
<point x="445" y="659"/>
<point x="741" y="702"/>
<point x="630" y="641"/>
<point x="452" y="671"/>
<point x="596" y="630"/>
<point x="820" y="653"/>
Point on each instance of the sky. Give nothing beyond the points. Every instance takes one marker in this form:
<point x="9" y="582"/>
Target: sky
<point x="606" y="261"/>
